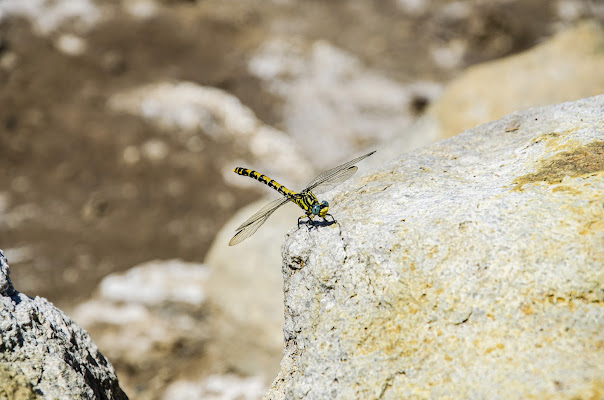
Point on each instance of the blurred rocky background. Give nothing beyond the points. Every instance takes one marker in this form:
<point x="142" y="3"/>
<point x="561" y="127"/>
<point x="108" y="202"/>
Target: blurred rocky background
<point x="120" y="123"/>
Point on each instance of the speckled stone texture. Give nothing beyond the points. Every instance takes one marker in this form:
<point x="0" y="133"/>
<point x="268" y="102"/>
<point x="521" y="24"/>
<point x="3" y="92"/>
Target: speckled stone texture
<point x="472" y="268"/>
<point x="44" y="354"/>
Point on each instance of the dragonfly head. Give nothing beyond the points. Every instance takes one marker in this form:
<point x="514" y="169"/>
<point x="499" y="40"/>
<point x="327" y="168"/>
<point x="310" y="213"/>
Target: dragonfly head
<point x="320" y="209"/>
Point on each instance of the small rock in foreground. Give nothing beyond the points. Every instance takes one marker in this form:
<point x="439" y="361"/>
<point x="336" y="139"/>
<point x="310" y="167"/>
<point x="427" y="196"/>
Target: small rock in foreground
<point x="44" y="354"/>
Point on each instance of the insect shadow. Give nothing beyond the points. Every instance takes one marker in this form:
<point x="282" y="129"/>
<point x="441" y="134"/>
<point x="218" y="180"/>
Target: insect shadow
<point x="313" y="223"/>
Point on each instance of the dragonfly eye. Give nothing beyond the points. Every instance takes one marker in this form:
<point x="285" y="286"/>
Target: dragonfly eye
<point x="324" y="209"/>
<point x="316" y="209"/>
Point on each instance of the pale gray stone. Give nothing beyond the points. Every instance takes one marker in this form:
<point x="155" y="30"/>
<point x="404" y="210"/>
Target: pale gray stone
<point x="44" y="354"/>
<point x="469" y="269"/>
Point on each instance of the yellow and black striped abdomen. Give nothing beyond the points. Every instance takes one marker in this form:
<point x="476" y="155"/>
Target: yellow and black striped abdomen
<point x="266" y="180"/>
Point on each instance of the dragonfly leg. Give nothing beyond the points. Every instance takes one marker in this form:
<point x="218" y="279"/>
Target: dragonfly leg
<point x="311" y="222"/>
<point x="301" y="219"/>
<point x="333" y="220"/>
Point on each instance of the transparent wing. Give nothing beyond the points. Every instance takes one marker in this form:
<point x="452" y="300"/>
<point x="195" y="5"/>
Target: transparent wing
<point x="267" y="209"/>
<point x="249" y="227"/>
<point x="339" y="174"/>
<point x="248" y="231"/>
<point x="334" y="181"/>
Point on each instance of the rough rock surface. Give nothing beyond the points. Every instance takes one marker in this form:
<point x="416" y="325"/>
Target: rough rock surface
<point x="470" y="269"/>
<point x="44" y="354"/>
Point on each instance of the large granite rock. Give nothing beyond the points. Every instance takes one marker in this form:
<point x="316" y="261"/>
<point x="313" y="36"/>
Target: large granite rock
<point x="44" y="354"/>
<point x="484" y="93"/>
<point x="470" y="269"/>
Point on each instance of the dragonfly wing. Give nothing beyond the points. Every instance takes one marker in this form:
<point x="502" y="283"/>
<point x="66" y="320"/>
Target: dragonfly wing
<point x="267" y="209"/>
<point x="248" y="231"/>
<point x="249" y="227"/>
<point x="333" y="173"/>
<point x="334" y="181"/>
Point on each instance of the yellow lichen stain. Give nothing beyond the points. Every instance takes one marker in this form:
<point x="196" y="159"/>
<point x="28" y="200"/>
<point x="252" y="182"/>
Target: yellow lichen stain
<point x="597" y="390"/>
<point x="499" y="346"/>
<point x="432" y="252"/>
<point x="570" y="300"/>
<point x="393" y="329"/>
<point x="556" y="300"/>
<point x="566" y="189"/>
<point x="550" y="138"/>
<point x="413" y="310"/>
<point x="571" y="305"/>
<point x="15" y="385"/>
<point x="592" y="226"/>
<point x="582" y="161"/>
<point x="385" y="336"/>
<point x="527" y="309"/>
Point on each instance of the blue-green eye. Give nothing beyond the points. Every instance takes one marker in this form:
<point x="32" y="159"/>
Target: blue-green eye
<point x="325" y="204"/>
<point x="316" y="209"/>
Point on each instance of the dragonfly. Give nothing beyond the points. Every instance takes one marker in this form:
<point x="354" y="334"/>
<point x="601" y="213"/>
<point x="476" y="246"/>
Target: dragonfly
<point x="305" y="199"/>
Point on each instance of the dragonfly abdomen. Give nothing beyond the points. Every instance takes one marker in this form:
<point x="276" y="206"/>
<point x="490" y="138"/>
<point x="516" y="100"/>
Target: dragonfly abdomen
<point x="266" y="180"/>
